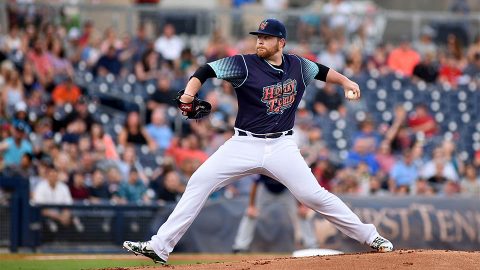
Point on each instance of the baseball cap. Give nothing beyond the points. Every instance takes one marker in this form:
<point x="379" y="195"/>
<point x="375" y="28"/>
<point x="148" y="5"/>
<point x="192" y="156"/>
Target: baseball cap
<point x="271" y="27"/>
<point x="21" y="107"/>
<point x="21" y="126"/>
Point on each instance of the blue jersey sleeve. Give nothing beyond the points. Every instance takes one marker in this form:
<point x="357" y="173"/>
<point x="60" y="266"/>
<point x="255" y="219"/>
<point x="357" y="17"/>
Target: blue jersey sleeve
<point x="232" y="69"/>
<point x="309" y="70"/>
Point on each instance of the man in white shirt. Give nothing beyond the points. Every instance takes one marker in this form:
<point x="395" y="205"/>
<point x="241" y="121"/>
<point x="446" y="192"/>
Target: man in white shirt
<point x="53" y="191"/>
<point x="169" y="44"/>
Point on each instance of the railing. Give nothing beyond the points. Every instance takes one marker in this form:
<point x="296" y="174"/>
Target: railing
<point x="197" y="24"/>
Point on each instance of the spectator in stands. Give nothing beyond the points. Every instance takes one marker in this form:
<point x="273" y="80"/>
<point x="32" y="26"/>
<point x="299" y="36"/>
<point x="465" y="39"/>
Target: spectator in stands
<point x="134" y="190"/>
<point x="78" y="188"/>
<point x="473" y="69"/>
<point x="303" y="49"/>
<point x="109" y="63"/>
<point x="386" y="160"/>
<point x="324" y="171"/>
<point x="159" y="130"/>
<point x="404" y="174"/>
<point x="80" y="111"/>
<point x="187" y="167"/>
<point x="376" y="187"/>
<point x="187" y="147"/>
<point x="129" y="162"/>
<point x="98" y="190"/>
<point x="274" y="6"/>
<point x="66" y="92"/>
<point x="29" y="78"/>
<point x="368" y="134"/>
<point x="188" y="62"/>
<point x="361" y="152"/>
<point x="13" y="42"/>
<point x="134" y="132"/>
<point x="354" y="62"/>
<point x="474" y="49"/>
<point x="425" y="45"/>
<point x="14" y="147"/>
<point x="426" y="69"/>
<point x="332" y="56"/>
<point x="378" y="60"/>
<point x="398" y="133"/>
<point x="470" y="183"/>
<point x="88" y="161"/>
<point x="169" y="188"/>
<point x="169" y="45"/>
<point x="403" y="58"/>
<point x="328" y="99"/>
<point x="422" y="188"/>
<point x="450" y="189"/>
<point x="338" y="13"/>
<point x="110" y="40"/>
<point x="41" y="63"/>
<point x="218" y="47"/>
<point x="439" y="170"/>
<point x="21" y="115"/>
<point x="44" y="134"/>
<point x="140" y="43"/>
<point x="25" y="168"/>
<point x="88" y="31"/>
<point x="64" y="165"/>
<point x="345" y="182"/>
<point x="365" y="180"/>
<point x="226" y="99"/>
<point x="147" y="68"/>
<point x="61" y="66"/>
<point x="451" y="156"/>
<point x="455" y="49"/>
<point x="90" y="53"/>
<point x="449" y="71"/>
<point x="314" y="147"/>
<point x="164" y="94"/>
<point x="53" y="191"/>
<point x="103" y="142"/>
<point x="421" y="121"/>
<point x="114" y="178"/>
<point x="12" y="92"/>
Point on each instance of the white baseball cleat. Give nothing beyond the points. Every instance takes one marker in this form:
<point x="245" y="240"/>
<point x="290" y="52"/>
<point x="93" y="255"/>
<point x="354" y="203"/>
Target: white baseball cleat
<point x="143" y="248"/>
<point x="382" y="244"/>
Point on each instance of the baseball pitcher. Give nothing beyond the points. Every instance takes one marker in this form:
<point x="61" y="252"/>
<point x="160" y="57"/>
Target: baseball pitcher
<point x="269" y="86"/>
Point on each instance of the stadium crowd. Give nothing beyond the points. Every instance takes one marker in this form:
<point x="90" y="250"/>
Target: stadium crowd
<point x="52" y="132"/>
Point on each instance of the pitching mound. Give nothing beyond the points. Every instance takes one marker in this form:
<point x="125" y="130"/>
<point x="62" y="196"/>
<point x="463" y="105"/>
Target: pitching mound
<point x="401" y="259"/>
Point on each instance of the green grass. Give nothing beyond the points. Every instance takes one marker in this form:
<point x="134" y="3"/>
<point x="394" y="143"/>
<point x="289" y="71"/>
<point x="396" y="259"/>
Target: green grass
<point x="20" y="264"/>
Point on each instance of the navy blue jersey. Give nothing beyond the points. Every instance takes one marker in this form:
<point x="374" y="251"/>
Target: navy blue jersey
<point x="267" y="96"/>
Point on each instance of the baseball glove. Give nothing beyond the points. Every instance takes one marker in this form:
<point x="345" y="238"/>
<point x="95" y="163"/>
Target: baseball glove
<point x="196" y="109"/>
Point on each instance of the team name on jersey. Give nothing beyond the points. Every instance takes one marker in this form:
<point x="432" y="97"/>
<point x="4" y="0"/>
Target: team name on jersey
<point x="279" y="97"/>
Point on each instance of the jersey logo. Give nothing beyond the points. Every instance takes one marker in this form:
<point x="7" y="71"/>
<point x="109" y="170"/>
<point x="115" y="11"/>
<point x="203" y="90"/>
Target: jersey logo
<point x="279" y="97"/>
<point x="262" y="25"/>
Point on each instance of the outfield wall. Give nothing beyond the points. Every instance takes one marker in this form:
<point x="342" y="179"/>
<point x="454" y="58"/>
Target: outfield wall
<point x="410" y="222"/>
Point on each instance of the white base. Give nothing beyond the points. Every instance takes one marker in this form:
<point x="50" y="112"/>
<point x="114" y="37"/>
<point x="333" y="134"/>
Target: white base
<point x="315" y="252"/>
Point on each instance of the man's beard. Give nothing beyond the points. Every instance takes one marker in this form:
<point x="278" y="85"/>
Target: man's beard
<point x="267" y="53"/>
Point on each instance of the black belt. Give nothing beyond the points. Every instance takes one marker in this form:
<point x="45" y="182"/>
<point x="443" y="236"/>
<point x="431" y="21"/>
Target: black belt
<point x="266" y="136"/>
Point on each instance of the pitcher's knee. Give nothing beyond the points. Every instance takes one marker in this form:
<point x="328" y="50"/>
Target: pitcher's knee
<point x="316" y="198"/>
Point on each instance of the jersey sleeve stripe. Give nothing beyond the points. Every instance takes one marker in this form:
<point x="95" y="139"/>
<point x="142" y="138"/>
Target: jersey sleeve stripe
<point x="301" y="70"/>
<point x="246" y="68"/>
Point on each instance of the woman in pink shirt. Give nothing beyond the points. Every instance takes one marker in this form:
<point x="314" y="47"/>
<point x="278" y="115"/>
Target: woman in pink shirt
<point x="41" y="62"/>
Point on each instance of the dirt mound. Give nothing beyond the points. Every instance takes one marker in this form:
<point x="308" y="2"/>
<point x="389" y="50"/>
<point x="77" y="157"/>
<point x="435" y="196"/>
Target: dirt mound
<point x="400" y="259"/>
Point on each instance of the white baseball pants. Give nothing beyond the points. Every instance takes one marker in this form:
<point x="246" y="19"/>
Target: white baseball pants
<point x="278" y="158"/>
